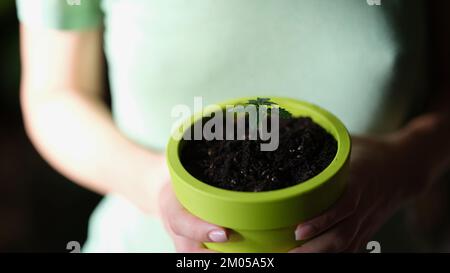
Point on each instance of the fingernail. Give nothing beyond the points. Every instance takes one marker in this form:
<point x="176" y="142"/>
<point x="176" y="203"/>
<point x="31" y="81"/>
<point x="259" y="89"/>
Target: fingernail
<point x="296" y="250"/>
<point x="218" y="236"/>
<point x="304" y="232"/>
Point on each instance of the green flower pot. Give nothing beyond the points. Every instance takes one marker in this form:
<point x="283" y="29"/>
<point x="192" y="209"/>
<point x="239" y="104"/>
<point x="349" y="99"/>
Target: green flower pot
<point x="264" y="221"/>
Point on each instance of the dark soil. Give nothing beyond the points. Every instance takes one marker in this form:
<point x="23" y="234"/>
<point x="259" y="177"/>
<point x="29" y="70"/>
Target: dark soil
<point x="305" y="149"/>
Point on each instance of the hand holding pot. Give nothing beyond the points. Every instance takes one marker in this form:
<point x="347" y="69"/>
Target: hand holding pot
<point x="382" y="178"/>
<point x="187" y="231"/>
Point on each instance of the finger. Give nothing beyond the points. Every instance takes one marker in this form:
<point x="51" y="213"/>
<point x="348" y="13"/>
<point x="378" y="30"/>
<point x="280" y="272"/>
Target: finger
<point x="345" y="207"/>
<point x="364" y="235"/>
<point x="359" y="244"/>
<point x="184" y="224"/>
<point x="184" y="245"/>
<point x="337" y="239"/>
<point x="355" y="247"/>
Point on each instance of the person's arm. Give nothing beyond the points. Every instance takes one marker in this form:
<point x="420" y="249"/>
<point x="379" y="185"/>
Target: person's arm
<point x="72" y="128"/>
<point x="426" y="137"/>
<point x="388" y="171"/>
<point x="69" y="124"/>
<point x="429" y="133"/>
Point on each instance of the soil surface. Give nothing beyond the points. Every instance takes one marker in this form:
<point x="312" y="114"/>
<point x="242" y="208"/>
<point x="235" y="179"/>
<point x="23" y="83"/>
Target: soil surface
<point x="305" y="149"/>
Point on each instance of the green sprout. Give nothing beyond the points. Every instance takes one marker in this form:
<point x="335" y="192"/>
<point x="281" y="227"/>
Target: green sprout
<point x="265" y="102"/>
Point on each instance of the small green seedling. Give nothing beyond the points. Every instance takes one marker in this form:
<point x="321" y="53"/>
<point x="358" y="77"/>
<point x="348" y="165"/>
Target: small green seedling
<point x="268" y="105"/>
<point x="265" y="102"/>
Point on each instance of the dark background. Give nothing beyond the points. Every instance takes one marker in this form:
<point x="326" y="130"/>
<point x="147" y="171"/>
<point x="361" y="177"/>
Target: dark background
<point x="39" y="209"/>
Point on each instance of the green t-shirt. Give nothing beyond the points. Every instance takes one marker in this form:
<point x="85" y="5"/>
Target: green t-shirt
<point x="364" y="63"/>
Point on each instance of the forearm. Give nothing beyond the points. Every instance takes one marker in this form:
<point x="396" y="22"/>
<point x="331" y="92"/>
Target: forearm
<point x="426" y="147"/>
<point x="77" y="136"/>
<point x="430" y="133"/>
<point x="425" y="140"/>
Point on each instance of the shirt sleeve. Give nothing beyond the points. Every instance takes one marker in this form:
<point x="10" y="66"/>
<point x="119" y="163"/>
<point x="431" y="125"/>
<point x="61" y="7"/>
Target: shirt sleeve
<point x="60" y="14"/>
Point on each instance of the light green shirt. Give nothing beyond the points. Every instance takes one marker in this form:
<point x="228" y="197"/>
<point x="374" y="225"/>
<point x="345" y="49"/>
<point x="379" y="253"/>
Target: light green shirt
<point x="363" y="63"/>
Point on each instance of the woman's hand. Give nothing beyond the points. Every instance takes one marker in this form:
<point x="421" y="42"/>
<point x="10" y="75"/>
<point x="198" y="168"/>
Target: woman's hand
<point x="383" y="176"/>
<point x="187" y="231"/>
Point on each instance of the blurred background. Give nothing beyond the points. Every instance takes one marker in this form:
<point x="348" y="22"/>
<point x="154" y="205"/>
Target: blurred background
<point x="40" y="211"/>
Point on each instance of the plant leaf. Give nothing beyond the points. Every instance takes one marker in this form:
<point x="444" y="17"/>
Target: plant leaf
<point x="259" y="102"/>
<point x="284" y="113"/>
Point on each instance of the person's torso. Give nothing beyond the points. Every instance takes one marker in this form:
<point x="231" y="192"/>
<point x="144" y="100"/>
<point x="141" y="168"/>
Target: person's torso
<point x="364" y="63"/>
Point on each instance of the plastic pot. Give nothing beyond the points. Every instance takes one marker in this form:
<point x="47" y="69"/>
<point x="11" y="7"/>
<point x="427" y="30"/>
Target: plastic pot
<point x="264" y="221"/>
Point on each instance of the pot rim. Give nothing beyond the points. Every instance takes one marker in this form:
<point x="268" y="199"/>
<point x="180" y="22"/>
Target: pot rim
<point x="339" y="131"/>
